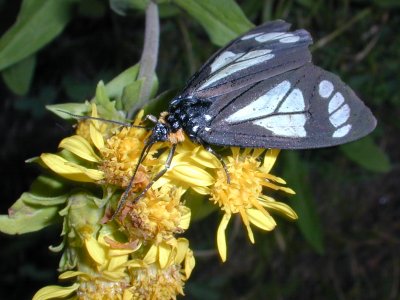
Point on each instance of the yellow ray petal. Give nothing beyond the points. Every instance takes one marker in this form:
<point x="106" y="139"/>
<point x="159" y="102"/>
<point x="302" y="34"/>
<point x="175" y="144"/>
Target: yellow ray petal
<point x="191" y="175"/>
<point x="260" y="220"/>
<point x="221" y="237"/>
<point x="55" y="292"/>
<point x="185" y="218"/>
<point x="95" y="250"/>
<point x="70" y="170"/>
<point x="164" y="253"/>
<point x="270" y="159"/>
<point x="80" y="147"/>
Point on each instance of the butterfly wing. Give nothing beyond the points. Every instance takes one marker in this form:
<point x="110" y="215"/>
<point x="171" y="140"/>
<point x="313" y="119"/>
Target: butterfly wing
<point x="303" y="108"/>
<point x="264" y="52"/>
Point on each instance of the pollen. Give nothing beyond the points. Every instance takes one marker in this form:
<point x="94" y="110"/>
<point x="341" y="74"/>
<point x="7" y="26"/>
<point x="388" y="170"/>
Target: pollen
<point x="155" y="283"/>
<point x="157" y="217"/>
<point x="245" y="186"/>
<point x="120" y="156"/>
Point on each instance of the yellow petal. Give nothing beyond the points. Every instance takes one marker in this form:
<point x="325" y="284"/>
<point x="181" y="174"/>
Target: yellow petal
<point x="190" y="263"/>
<point x="277" y="187"/>
<point x="205" y="158"/>
<point x="117" y="263"/>
<point x="80" y="147"/>
<point x="221" y="237"/>
<point x="185" y="218"/>
<point x="281" y="208"/>
<point x="246" y="222"/>
<point x="55" y="292"/>
<point x="96" y="251"/>
<point x="164" y="252"/>
<point x="202" y="190"/>
<point x="270" y="159"/>
<point x="70" y="274"/>
<point x="260" y="220"/>
<point x="70" y="170"/>
<point x="95" y="134"/>
<point x="191" y="175"/>
<point x="151" y="255"/>
<point x="182" y="248"/>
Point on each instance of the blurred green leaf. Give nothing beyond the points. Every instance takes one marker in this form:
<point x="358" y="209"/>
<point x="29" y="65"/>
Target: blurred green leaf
<point x="18" y="77"/>
<point x="199" y="205"/>
<point x="39" y="22"/>
<point x="296" y="174"/>
<point x="223" y="20"/>
<point x="123" y="7"/>
<point x="387" y="3"/>
<point x="92" y="8"/>
<point x="368" y="155"/>
<point x="35" y="105"/>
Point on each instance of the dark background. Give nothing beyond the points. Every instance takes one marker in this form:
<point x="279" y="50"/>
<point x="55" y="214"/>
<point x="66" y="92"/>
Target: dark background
<point x="358" y="209"/>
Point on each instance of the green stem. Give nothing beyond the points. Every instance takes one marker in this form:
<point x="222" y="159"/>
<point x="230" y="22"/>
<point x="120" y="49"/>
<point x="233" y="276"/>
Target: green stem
<point x="148" y="61"/>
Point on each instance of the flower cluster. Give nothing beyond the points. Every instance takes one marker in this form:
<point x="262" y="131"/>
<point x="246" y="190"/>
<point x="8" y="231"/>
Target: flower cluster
<point x="139" y="254"/>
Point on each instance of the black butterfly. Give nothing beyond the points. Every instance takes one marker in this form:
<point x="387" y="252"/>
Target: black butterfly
<point x="262" y="90"/>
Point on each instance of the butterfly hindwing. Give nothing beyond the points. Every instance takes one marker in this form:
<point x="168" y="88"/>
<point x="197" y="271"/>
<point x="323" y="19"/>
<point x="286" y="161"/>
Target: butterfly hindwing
<point x="264" y="52"/>
<point x="303" y="108"/>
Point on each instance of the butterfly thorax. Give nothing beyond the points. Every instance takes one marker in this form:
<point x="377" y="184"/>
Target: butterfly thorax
<point x="187" y="114"/>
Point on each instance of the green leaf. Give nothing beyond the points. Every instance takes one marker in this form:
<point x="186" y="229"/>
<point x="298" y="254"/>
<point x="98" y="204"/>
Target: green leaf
<point x="296" y="174"/>
<point x="131" y="94"/>
<point x="24" y="217"/>
<point x="223" y="19"/>
<point x="18" y="77"/>
<point x="116" y="86"/>
<point x="368" y="155"/>
<point x="79" y="109"/>
<point x="38" y="23"/>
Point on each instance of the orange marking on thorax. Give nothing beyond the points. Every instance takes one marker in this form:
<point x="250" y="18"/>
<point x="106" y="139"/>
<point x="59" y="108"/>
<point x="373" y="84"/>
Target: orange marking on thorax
<point x="176" y="137"/>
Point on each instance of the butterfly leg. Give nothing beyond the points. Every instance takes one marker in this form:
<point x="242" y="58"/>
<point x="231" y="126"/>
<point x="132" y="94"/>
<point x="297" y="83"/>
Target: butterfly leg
<point x="219" y="157"/>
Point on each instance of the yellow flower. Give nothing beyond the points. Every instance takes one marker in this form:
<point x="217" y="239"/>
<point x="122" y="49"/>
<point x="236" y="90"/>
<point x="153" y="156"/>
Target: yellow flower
<point x="163" y="271"/>
<point x="120" y="155"/>
<point x="244" y="194"/>
<point x="156" y="217"/>
<point x="190" y="168"/>
<point x="103" y="273"/>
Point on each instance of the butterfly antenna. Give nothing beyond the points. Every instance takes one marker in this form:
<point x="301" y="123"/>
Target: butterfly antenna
<point x="124" y="197"/>
<point x="100" y="119"/>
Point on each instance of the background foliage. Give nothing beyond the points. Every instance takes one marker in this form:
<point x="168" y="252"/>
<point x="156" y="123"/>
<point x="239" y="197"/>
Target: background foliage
<point x="346" y="244"/>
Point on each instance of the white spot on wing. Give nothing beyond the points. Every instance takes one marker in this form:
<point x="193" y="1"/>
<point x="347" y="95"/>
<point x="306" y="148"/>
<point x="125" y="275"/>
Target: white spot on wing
<point x="262" y="106"/>
<point x="254" y="54"/>
<point x="224" y="59"/>
<point x="207" y="117"/>
<point x="336" y="101"/>
<point x="342" y="131"/>
<point x="340" y="116"/>
<point x="207" y="129"/>
<point x="294" y="102"/>
<point x="289" y="38"/>
<point x="291" y="125"/>
<point x="268" y="36"/>
<point x="238" y="66"/>
<point x="325" y="88"/>
<point x="195" y="128"/>
<point x="250" y="36"/>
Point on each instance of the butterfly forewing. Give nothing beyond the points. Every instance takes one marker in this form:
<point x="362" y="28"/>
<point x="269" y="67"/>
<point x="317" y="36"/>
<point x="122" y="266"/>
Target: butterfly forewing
<point x="262" y="53"/>
<point x="303" y="108"/>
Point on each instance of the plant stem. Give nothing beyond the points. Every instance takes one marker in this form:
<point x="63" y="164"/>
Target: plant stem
<point x="148" y="61"/>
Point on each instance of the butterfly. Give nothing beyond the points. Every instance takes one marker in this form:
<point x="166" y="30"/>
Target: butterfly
<point x="262" y="91"/>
